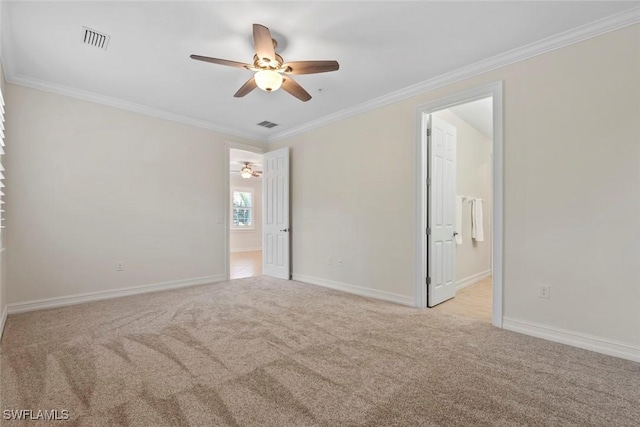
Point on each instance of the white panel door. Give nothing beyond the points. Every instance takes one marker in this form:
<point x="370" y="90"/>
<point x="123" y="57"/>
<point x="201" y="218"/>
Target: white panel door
<point x="275" y="214"/>
<point x="441" y="249"/>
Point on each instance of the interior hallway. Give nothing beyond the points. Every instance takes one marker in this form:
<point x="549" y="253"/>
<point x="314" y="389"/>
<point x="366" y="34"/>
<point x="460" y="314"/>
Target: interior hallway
<point x="245" y="264"/>
<point x="475" y="301"/>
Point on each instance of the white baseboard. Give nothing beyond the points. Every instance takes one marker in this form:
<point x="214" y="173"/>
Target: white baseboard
<point x="236" y="250"/>
<point x="587" y="342"/>
<point x="358" y="290"/>
<point x="470" y="280"/>
<point x="3" y="320"/>
<point x="41" y="304"/>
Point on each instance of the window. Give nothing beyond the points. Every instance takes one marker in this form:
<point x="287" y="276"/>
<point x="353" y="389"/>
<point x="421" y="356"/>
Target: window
<point x="241" y="209"/>
<point x="1" y="156"/>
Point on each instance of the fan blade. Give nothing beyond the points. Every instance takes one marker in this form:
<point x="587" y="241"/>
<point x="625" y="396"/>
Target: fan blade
<point x="246" y="88"/>
<point x="310" y="67"/>
<point x="255" y="175"/>
<point x="220" y="61"/>
<point x="263" y="43"/>
<point x="295" y="89"/>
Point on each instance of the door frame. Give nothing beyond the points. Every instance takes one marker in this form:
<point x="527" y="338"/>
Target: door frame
<point x="494" y="90"/>
<point x="229" y="145"/>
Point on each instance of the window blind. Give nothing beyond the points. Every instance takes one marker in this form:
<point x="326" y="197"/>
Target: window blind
<point x="1" y="160"/>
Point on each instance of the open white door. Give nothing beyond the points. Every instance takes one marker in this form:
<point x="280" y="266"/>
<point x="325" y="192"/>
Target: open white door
<point x="275" y="214"/>
<point x="441" y="250"/>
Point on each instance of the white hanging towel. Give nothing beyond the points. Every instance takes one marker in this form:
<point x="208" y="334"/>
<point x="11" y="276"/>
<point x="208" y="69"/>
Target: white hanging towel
<point x="458" y="220"/>
<point x="477" y="230"/>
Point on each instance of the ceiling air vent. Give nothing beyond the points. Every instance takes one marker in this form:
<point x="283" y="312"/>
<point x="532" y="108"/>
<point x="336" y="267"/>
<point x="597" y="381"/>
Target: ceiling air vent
<point x="267" y="124"/>
<point x="95" y="38"/>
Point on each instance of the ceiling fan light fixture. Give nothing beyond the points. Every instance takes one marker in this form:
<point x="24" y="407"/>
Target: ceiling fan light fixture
<point x="246" y="172"/>
<point x="268" y="67"/>
<point x="268" y="80"/>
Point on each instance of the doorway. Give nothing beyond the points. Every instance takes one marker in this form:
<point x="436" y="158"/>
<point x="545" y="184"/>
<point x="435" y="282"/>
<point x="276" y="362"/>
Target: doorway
<point x="257" y="212"/>
<point x="245" y="213"/>
<point x="460" y="204"/>
<point x="468" y="128"/>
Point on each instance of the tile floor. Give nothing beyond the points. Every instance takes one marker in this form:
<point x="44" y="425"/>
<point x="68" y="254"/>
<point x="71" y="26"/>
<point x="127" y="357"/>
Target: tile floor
<point x="474" y="301"/>
<point x="246" y="264"/>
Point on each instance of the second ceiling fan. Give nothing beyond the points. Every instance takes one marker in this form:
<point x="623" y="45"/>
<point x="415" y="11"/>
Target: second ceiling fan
<point x="271" y="72"/>
<point x="247" y="171"/>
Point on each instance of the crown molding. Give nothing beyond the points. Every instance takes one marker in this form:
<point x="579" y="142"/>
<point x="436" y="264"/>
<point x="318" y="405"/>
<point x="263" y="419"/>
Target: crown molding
<point x="125" y="105"/>
<point x="575" y="35"/>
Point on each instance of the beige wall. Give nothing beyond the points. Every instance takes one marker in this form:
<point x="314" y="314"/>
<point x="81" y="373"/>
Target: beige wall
<point x="243" y="240"/>
<point x="572" y="190"/>
<point x="91" y="185"/>
<point x="474" y="179"/>
<point x="352" y="200"/>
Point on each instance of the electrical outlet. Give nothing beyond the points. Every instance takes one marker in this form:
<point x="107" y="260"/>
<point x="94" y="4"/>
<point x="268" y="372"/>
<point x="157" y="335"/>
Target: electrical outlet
<point x="119" y="266"/>
<point x="544" y="291"/>
<point x="329" y="260"/>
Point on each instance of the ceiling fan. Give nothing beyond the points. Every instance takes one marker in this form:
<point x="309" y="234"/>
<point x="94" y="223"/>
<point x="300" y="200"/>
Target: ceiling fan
<point x="271" y="72"/>
<point x="248" y="172"/>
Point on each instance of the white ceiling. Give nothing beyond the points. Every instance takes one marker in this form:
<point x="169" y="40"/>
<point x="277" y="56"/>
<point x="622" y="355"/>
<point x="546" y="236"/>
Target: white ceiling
<point x="382" y="47"/>
<point x="478" y="114"/>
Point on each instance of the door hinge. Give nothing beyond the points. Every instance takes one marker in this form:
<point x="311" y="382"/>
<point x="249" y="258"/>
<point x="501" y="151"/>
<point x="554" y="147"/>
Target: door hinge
<point x="429" y="132"/>
<point x="428" y="280"/>
<point x="428" y="231"/>
<point x="428" y="181"/>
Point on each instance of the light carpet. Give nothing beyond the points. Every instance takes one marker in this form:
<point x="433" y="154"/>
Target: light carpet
<point x="268" y="352"/>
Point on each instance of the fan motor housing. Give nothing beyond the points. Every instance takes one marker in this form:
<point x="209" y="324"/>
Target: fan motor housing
<point x="268" y="65"/>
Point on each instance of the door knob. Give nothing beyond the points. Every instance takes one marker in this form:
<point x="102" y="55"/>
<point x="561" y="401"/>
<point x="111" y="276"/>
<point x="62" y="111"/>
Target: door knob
<point x="455" y="233"/>
<point x="285" y="230"/>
